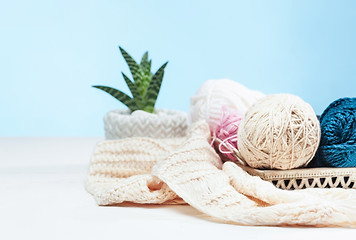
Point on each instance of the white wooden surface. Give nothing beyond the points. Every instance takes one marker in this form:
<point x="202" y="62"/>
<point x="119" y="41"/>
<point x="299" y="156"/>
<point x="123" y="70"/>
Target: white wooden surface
<point x="42" y="196"/>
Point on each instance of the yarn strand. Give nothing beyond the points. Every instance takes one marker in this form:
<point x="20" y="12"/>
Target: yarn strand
<point x="279" y="131"/>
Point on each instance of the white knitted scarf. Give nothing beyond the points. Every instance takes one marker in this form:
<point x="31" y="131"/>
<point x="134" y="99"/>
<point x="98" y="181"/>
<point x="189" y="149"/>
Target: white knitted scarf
<point x="157" y="171"/>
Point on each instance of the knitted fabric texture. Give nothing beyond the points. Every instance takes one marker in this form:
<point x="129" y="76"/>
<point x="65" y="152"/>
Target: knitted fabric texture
<point x="338" y="135"/>
<point x="144" y="170"/>
<point x="162" y="124"/>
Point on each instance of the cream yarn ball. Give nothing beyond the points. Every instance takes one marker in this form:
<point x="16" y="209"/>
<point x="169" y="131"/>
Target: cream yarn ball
<point x="279" y="131"/>
<point x="207" y="103"/>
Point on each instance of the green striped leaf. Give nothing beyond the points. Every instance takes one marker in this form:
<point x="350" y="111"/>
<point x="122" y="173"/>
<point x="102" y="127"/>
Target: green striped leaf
<point x="143" y="84"/>
<point x="149" y="109"/>
<point x="154" y="86"/>
<point x="133" y="66"/>
<point x="145" y="65"/>
<point x="149" y="67"/>
<point x="122" y="97"/>
<point x="144" y="60"/>
<point x="134" y="91"/>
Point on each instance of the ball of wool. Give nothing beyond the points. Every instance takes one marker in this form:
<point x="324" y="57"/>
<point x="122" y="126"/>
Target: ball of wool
<point x="207" y="103"/>
<point x="226" y="131"/>
<point x="338" y="135"/>
<point x="279" y="131"/>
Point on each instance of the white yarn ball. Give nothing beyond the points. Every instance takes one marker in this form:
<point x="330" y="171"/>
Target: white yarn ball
<point x="279" y="131"/>
<point x="207" y="103"/>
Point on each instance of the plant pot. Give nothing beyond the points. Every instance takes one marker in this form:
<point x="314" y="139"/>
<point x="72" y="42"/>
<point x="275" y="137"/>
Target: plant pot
<point x="161" y="124"/>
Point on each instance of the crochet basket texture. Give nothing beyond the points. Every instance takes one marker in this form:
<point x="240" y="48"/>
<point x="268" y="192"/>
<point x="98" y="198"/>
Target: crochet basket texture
<point x="161" y="124"/>
<point x="303" y="177"/>
<point x="307" y="177"/>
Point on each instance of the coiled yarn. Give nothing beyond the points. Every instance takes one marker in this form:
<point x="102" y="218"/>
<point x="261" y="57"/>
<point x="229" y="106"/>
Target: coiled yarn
<point x="338" y="135"/>
<point x="207" y="103"/>
<point x="226" y="131"/>
<point x="279" y="132"/>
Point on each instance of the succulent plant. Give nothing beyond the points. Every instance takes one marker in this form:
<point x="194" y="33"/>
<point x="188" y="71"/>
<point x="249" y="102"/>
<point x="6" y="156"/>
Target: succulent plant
<point x="144" y="87"/>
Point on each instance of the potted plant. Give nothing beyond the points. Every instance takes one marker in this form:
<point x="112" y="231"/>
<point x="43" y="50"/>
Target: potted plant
<point x="141" y="119"/>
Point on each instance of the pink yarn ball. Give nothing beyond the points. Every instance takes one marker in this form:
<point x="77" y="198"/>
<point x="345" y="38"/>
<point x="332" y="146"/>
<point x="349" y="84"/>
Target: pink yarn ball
<point x="226" y="131"/>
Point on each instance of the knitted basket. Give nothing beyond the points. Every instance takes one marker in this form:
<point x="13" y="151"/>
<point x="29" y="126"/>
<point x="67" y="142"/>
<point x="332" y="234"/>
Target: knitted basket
<point x="303" y="177"/>
<point x="161" y="124"/>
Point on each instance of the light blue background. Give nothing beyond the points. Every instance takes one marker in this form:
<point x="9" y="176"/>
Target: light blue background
<point x="51" y="52"/>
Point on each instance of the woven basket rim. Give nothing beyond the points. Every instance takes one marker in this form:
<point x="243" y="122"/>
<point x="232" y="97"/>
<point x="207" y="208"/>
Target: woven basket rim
<point x="269" y="174"/>
<point x="300" y="172"/>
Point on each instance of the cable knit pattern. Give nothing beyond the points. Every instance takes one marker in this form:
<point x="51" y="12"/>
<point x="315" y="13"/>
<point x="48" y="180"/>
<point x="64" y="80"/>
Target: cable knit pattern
<point x="163" y="124"/>
<point x="120" y="169"/>
<point x="190" y="169"/>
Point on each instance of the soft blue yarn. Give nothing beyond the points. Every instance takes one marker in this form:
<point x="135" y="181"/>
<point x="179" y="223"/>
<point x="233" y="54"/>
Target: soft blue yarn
<point x="338" y="135"/>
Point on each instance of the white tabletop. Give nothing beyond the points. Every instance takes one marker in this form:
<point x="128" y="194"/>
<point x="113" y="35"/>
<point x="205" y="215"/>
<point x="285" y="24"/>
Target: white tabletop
<point x="42" y="196"/>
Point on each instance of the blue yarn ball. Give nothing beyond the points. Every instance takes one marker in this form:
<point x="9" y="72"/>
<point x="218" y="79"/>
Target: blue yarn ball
<point x="338" y="135"/>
